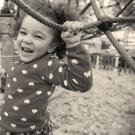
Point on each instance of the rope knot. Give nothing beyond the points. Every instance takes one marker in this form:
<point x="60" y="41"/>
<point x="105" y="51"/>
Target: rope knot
<point x="105" y="24"/>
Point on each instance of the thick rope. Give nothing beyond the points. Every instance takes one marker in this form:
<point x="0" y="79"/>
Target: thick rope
<point x="37" y="16"/>
<point x="53" y="25"/>
<point x="110" y="36"/>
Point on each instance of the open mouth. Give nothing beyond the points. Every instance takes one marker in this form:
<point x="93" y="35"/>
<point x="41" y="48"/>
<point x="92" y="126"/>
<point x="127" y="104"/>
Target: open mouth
<point x="26" y="50"/>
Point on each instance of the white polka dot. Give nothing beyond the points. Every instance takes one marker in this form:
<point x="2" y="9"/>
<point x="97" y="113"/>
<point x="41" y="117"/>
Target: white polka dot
<point x="52" y="56"/>
<point x="16" y="108"/>
<point x="31" y="84"/>
<point x="14" y="79"/>
<point x="35" y="66"/>
<point x="60" y="69"/>
<point x="0" y="117"/>
<point x="87" y="74"/>
<point x="7" y="75"/>
<point x="20" y="90"/>
<point x="75" y="81"/>
<point x="50" y="76"/>
<point x="49" y="63"/>
<point x="33" y="127"/>
<point x="42" y="77"/>
<point x="66" y="52"/>
<point x="12" y="68"/>
<point x="26" y="101"/>
<point x="34" y="111"/>
<point x="49" y="93"/>
<point x="23" y="119"/>
<point x="13" y="125"/>
<point x="3" y="101"/>
<point x="74" y="61"/>
<point x="39" y="92"/>
<point x="6" y="114"/>
<point x="8" y="85"/>
<point x="62" y="62"/>
<point x="8" y="133"/>
<point x="16" y="62"/>
<point x="10" y="96"/>
<point x="86" y="47"/>
<point x="65" y="83"/>
<point x="39" y="132"/>
<point x="24" y="72"/>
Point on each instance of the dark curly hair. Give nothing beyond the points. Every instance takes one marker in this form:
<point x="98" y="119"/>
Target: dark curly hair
<point x="59" y="13"/>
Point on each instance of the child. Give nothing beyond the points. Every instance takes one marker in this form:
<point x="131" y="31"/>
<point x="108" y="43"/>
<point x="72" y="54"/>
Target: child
<point x="3" y="80"/>
<point x="32" y="79"/>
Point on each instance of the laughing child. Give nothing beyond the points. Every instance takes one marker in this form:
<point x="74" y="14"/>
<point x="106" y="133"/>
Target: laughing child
<point x="33" y="77"/>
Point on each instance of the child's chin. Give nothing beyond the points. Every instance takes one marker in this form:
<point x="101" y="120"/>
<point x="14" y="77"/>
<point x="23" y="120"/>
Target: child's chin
<point x="26" y="60"/>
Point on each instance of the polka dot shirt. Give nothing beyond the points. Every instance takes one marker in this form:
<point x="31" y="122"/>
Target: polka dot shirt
<point x="29" y="86"/>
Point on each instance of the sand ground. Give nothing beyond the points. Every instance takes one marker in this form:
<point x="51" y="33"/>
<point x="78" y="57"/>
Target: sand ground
<point x="107" y="109"/>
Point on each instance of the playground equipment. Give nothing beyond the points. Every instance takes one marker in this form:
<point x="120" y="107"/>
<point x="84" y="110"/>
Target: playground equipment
<point x="103" y="23"/>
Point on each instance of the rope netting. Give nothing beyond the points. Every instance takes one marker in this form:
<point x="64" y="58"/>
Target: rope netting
<point x="51" y="24"/>
<point x="103" y="24"/>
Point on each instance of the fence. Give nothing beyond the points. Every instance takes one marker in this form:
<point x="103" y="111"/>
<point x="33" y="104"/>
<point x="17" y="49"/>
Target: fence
<point x="110" y="62"/>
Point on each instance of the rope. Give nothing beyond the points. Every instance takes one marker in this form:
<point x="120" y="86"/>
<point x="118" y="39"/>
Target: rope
<point x="110" y="36"/>
<point x="37" y="16"/>
<point x="87" y="6"/>
<point x="53" y="25"/>
<point x="126" y="6"/>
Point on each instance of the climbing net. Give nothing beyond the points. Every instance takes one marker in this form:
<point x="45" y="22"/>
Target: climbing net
<point x="103" y="24"/>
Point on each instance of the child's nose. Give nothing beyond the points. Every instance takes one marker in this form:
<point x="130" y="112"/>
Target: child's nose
<point x="27" y="39"/>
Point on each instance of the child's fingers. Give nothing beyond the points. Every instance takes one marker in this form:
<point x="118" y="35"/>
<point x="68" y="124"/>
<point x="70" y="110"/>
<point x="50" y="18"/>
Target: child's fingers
<point x="66" y="34"/>
<point x="72" y="35"/>
<point x="2" y="71"/>
<point x="69" y="38"/>
<point x="73" y="26"/>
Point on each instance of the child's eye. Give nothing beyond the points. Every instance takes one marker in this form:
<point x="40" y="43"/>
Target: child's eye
<point x="22" y="32"/>
<point x="38" y="37"/>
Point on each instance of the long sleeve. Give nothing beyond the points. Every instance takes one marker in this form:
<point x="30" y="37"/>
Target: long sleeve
<point x="73" y="74"/>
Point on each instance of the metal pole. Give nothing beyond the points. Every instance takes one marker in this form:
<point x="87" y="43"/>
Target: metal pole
<point x="6" y="15"/>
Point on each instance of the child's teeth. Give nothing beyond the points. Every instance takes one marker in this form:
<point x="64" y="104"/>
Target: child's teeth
<point x="27" y="50"/>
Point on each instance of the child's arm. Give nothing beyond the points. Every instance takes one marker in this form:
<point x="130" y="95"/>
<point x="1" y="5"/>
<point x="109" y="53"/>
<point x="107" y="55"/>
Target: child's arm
<point x="74" y="74"/>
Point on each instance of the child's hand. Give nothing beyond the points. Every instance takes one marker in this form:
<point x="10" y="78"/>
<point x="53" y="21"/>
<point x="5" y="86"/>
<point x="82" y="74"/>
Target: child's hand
<point x="72" y="37"/>
<point x="2" y="72"/>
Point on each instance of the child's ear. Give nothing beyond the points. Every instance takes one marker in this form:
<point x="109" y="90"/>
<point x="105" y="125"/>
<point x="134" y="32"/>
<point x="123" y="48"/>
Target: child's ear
<point x="52" y="47"/>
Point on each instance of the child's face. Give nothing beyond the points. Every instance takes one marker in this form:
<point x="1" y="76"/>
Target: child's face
<point x="34" y="39"/>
